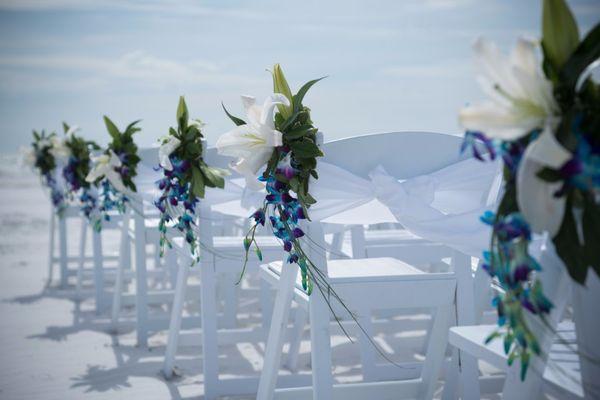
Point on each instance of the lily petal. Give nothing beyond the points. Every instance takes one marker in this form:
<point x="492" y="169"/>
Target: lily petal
<point x="166" y="150"/>
<point x="268" y="110"/>
<point x="535" y="197"/>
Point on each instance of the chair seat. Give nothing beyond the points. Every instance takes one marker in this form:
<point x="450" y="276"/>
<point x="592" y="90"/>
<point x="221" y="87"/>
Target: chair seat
<point x="350" y="269"/>
<point x="384" y="236"/>
<point x="562" y="371"/>
<point x="236" y="243"/>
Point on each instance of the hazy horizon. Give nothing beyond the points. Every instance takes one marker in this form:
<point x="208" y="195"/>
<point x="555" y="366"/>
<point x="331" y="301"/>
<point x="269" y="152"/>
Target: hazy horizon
<point x="391" y="65"/>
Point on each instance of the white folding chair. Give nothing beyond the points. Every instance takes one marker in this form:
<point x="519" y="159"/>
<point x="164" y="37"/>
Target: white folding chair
<point x="220" y="262"/>
<point x="368" y="284"/>
<point x="139" y="228"/>
<point x="61" y="258"/>
<point x="469" y="346"/>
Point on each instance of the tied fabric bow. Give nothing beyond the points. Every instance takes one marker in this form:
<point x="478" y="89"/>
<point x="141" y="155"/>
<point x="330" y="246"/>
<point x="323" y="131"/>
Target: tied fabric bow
<point x="105" y="166"/>
<point x="442" y="207"/>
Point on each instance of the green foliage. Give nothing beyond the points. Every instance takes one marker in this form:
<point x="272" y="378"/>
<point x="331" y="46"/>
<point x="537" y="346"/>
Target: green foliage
<point x="189" y="133"/>
<point x="123" y="145"/>
<point x="44" y="162"/>
<point x="79" y="162"/>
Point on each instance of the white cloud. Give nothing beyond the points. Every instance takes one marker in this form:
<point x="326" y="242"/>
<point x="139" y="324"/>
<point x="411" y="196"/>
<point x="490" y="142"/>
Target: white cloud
<point x="135" y="67"/>
<point x="179" y="7"/>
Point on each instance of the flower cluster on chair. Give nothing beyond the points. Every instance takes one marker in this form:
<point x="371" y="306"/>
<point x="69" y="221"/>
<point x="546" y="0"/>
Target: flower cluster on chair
<point x="185" y="178"/>
<point x="543" y="119"/>
<point x="114" y="171"/>
<point x="40" y="156"/>
<point x="77" y="153"/>
<point x="286" y="142"/>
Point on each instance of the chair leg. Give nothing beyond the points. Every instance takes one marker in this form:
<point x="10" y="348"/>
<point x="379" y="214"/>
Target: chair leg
<point x="436" y="350"/>
<point x="469" y="377"/>
<point x="98" y="270"/>
<point x="62" y="239"/>
<point x="274" y="344"/>
<point x="320" y="341"/>
<point x="367" y="356"/>
<point x="300" y="320"/>
<point x="141" y="283"/>
<point x="450" y="391"/>
<point x="82" y="244"/>
<point x="210" y="356"/>
<point x="124" y="263"/>
<point x="266" y="305"/>
<point x="230" y="294"/>
<point x="176" y="316"/>
<point x="51" y="246"/>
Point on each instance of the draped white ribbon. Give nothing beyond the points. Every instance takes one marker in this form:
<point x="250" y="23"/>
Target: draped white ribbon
<point x="443" y="206"/>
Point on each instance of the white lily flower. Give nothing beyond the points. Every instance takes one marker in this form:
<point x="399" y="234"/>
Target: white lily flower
<point x="104" y="166"/>
<point x="520" y="96"/>
<point x="254" y="142"/>
<point x="59" y="149"/>
<point x="535" y="197"/>
<point x="27" y="156"/>
<point x="165" y="150"/>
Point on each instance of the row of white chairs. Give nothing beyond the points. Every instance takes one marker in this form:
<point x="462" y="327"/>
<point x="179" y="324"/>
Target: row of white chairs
<point x="383" y="275"/>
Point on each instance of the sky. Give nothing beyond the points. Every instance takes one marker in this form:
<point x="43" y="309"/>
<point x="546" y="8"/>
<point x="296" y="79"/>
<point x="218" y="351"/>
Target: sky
<point x="391" y="65"/>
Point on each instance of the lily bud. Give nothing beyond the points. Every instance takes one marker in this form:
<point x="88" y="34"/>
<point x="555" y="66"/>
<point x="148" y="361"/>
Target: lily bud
<point x="560" y="35"/>
<point x="182" y="112"/>
<point x="280" y="85"/>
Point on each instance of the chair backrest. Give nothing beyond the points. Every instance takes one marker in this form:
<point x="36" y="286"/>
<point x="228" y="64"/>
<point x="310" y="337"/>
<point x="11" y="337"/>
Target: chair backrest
<point x="402" y="154"/>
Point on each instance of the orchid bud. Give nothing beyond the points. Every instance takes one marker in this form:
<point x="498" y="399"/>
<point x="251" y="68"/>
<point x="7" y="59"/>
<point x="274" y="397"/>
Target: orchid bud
<point x="280" y="85"/>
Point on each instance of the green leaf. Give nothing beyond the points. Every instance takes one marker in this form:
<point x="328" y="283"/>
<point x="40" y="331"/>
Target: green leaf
<point x="197" y="183"/>
<point x="586" y="53"/>
<point x="549" y="175"/>
<point x="511" y="357"/>
<point x="302" y="92"/>
<point x="213" y="175"/>
<point x="236" y="120"/>
<point x="280" y="85"/>
<point x="112" y="128"/>
<point x="508" y="341"/>
<point x="305" y="148"/>
<point x="492" y="336"/>
<point x="299" y="132"/>
<point x="524" y="365"/>
<point x="560" y="35"/>
<point x="132" y="128"/>
<point x="568" y="247"/>
<point x="591" y="233"/>
<point x="65" y="127"/>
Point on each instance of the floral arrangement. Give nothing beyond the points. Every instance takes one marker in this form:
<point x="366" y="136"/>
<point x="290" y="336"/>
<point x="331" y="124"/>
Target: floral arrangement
<point x="285" y="141"/>
<point x="76" y="150"/>
<point x="185" y="178"/>
<point x="40" y="157"/>
<point x="114" y="171"/>
<point x="543" y="119"/>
